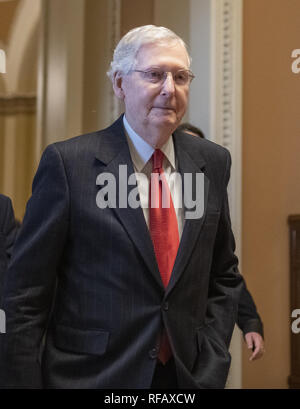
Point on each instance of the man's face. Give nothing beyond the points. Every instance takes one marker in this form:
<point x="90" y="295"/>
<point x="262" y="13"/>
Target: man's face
<point x="155" y="110"/>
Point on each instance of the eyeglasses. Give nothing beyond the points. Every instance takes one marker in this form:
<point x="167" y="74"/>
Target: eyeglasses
<point x="157" y="76"/>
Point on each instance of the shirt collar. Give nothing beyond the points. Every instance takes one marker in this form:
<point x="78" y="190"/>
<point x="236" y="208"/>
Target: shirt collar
<point x="141" y="151"/>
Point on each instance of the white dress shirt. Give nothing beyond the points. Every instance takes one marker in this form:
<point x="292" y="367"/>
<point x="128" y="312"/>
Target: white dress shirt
<point x="141" y="153"/>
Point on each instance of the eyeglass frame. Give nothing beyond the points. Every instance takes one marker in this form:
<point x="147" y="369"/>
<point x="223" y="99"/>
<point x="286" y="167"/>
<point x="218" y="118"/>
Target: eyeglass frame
<point x="191" y="76"/>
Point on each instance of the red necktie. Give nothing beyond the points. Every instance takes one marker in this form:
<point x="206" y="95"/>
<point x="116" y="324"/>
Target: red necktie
<point x="163" y="230"/>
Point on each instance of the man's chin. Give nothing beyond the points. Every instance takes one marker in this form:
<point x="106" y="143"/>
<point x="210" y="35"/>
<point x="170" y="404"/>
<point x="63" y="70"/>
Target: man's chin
<point x="164" y="113"/>
<point x="165" y="119"/>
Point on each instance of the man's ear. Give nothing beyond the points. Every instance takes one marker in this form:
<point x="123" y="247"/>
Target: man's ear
<point x="118" y="86"/>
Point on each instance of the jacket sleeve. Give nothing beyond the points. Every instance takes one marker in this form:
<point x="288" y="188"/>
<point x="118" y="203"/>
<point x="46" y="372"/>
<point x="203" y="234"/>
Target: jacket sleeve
<point x="30" y="280"/>
<point x="225" y="279"/>
<point x="248" y="318"/>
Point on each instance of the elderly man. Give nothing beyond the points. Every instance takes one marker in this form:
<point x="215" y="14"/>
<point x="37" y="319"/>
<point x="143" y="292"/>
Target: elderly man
<point x="7" y="234"/>
<point x="138" y="292"/>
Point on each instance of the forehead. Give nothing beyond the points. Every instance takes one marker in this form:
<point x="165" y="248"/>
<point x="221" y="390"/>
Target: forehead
<point x="165" y="55"/>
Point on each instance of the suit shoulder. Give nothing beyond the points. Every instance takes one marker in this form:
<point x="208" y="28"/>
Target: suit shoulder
<point x="78" y="148"/>
<point x="77" y="143"/>
<point x="210" y="151"/>
<point x="85" y="145"/>
<point x="215" y="153"/>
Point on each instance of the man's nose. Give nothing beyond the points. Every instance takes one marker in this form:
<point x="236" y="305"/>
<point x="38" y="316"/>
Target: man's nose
<point x="168" y="85"/>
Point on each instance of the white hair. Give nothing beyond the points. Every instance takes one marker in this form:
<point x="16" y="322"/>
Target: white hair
<point x="125" y="53"/>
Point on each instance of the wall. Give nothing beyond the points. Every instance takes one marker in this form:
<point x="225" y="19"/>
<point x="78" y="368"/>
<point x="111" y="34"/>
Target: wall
<point x="136" y="13"/>
<point x="97" y="55"/>
<point x="200" y="43"/>
<point x="271" y="175"/>
<point x="20" y="36"/>
<point x="8" y="10"/>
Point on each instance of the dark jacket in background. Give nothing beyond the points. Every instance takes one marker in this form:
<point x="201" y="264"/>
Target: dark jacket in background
<point x="7" y="234"/>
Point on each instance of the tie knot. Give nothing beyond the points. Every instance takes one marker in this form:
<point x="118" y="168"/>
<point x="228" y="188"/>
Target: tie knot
<point x="158" y="158"/>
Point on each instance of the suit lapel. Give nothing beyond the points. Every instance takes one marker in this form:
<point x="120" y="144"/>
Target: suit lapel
<point x="114" y="151"/>
<point x="192" y="227"/>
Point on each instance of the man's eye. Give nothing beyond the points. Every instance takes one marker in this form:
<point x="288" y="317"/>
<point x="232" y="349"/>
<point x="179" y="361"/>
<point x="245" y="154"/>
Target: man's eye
<point x="181" y="77"/>
<point x="154" y="75"/>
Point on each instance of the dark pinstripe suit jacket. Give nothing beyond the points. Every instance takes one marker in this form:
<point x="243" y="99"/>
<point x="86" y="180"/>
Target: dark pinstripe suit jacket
<point x="110" y="304"/>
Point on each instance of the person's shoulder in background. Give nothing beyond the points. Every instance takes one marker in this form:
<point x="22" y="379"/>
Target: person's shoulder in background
<point x="8" y="226"/>
<point x="5" y="211"/>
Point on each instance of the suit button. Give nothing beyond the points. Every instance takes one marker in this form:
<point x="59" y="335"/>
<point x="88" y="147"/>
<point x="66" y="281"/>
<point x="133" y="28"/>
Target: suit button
<point x="153" y="353"/>
<point x="166" y="306"/>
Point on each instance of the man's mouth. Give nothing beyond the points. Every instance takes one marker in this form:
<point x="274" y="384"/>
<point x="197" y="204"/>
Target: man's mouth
<point x="166" y="108"/>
